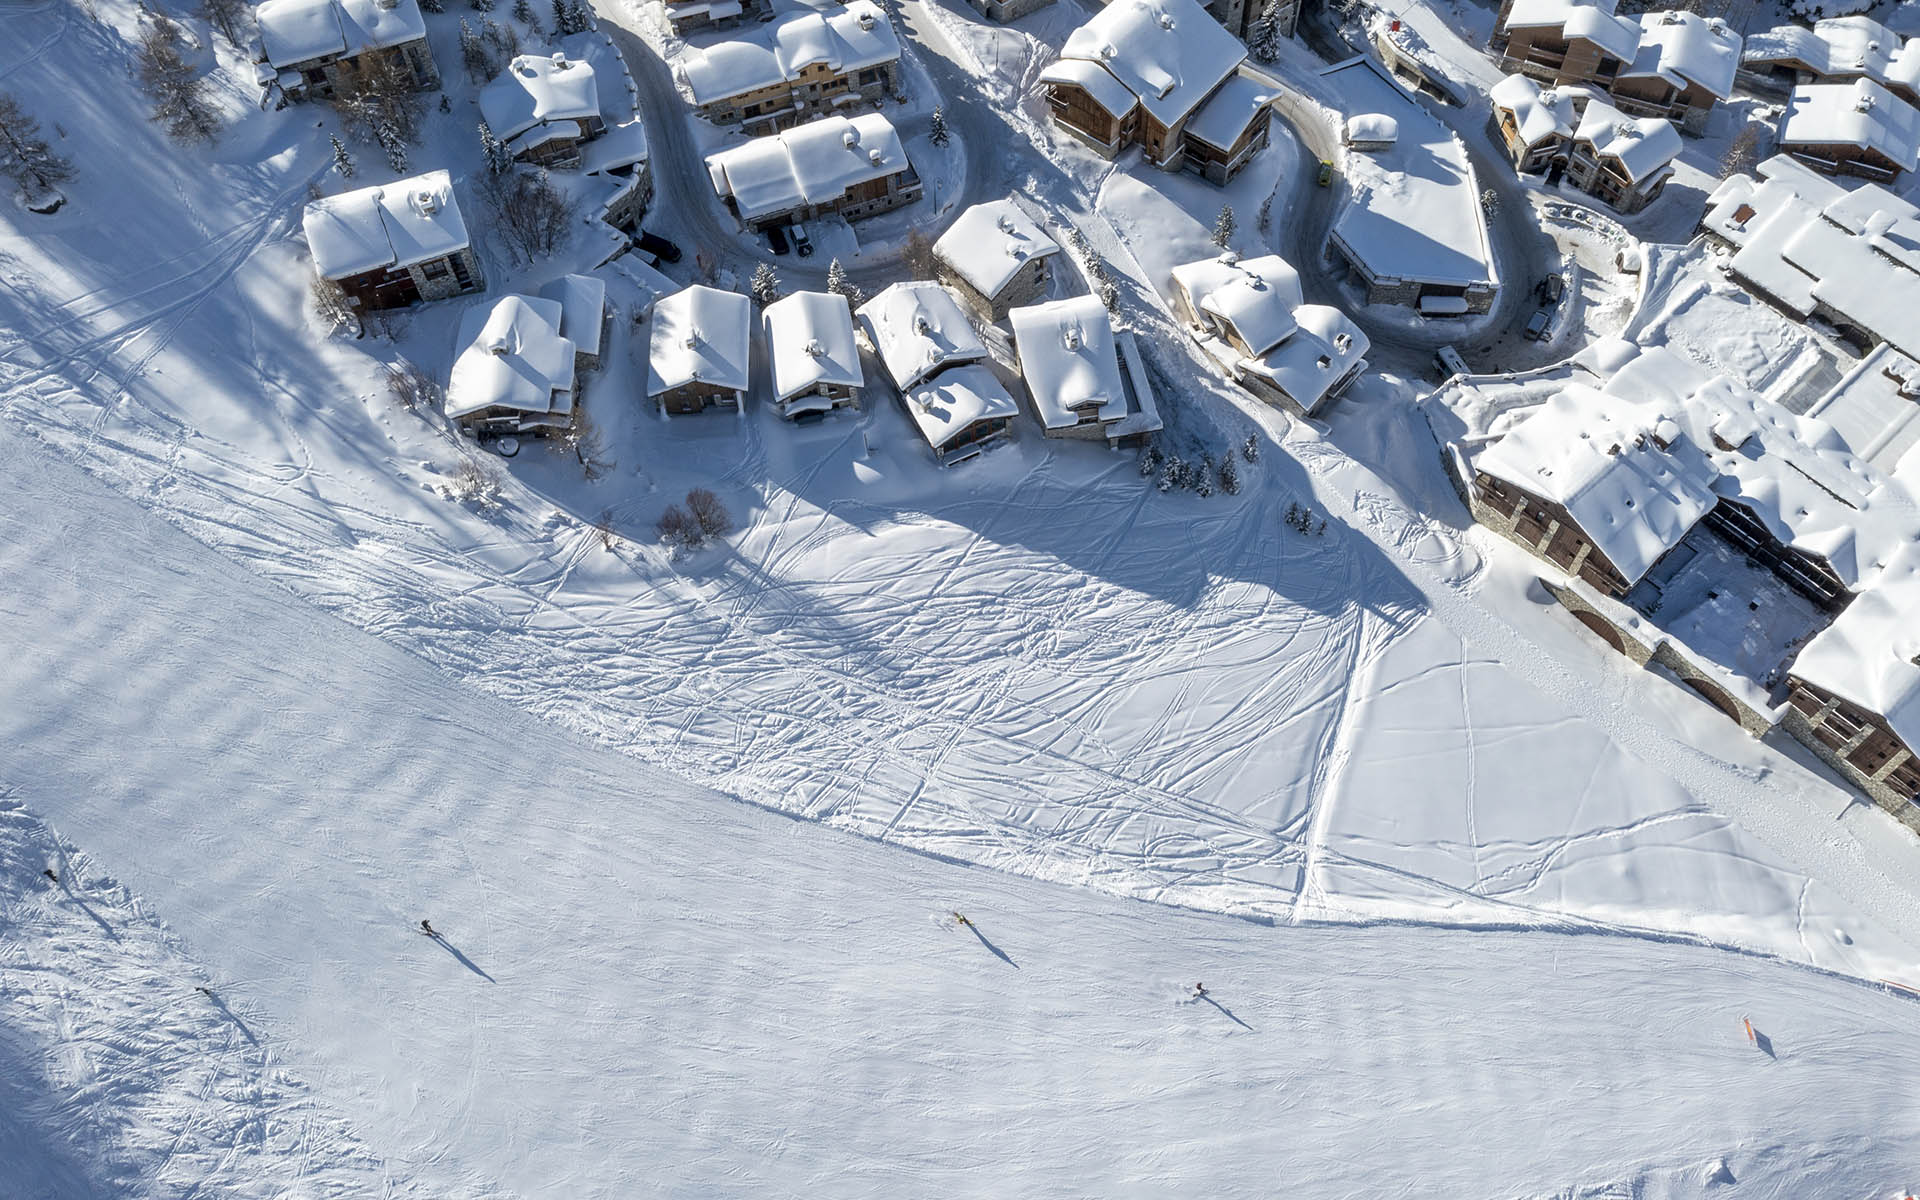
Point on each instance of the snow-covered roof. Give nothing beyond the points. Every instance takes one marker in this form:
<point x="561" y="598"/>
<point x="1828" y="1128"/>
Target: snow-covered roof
<point x="1593" y="22"/>
<point x="1095" y="80"/>
<point x="956" y="400"/>
<point x="386" y="225"/>
<point x="1227" y="115"/>
<point x="1875" y="408"/>
<point x="815" y="163"/>
<point x="583" y="309"/>
<point x="988" y="244"/>
<point x="1366" y="129"/>
<point x="809" y="343"/>
<point x="1683" y="48"/>
<point x="1861" y="113"/>
<point x="1807" y="242"/>
<point x="512" y="355"/>
<point x="918" y="328"/>
<point x="1838" y="48"/>
<point x="300" y="31"/>
<point x="1641" y="457"/>
<point x="619" y="95"/>
<point x="1171" y="54"/>
<point x="1538" y="113"/>
<point x="1324" y="348"/>
<point x="1414" y="212"/>
<point x="620" y="146"/>
<point x="1644" y="147"/>
<point x="536" y="89"/>
<point x="1597" y="456"/>
<point x="1868" y="654"/>
<point x="699" y="335"/>
<point x="851" y="39"/>
<point x="1069" y="360"/>
<point x="1257" y="296"/>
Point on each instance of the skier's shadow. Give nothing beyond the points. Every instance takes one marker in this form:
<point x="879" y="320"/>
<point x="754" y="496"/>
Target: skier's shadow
<point x="1765" y="1043"/>
<point x="997" y="951"/>
<point x="441" y="941"/>
<point x="88" y="909"/>
<point x="1227" y="1012"/>
<point x="230" y="1015"/>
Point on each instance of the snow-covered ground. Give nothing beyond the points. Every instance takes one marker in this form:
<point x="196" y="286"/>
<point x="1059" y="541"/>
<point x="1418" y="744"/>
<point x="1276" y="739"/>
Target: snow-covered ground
<point x="1034" y="663"/>
<point x="646" y="987"/>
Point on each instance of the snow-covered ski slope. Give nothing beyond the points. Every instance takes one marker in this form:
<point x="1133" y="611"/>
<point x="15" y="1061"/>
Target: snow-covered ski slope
<point x="647" y="988"/>
<point x="1034" y="663"/>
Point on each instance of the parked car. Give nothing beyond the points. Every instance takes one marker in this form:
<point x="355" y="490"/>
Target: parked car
<point x="1550" y="289"/>
<point x="1326" y="172"/>
<point x="777" y="238"/>
<point x="801" y="242"/>
<point x="1451" y="363"/>
<point x="1539" y="325"/>
<point x="659" y="247"/>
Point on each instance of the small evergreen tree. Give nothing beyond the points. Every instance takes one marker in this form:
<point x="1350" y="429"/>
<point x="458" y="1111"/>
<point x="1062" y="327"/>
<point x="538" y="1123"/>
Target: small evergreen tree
<point x="473" y="53"/>
<point x="1201" y="481"/>
<point x="1223" y="227"/>
<point x="342" y="160"/>
<point x="562" y="19"/>
<point x="432" y="6"/>
<point x="228" y="16"/>
<point x="840" y="285"/>
<point x="1250" y="449"/>
<point x="580" y="17"/>
<point x="523" y="13"/>
<point x="1229" y="475"/>
<point x="1149" y="459"/>
<point x="1109" y="295"/>
<point x="937" y="127"/>
<point x="1263" y="35"/>
<point x="1173" y="473"/>
<point x="504" y="40"/>
<point x="766" y="285"/>
<point x="394" y="144"/>
<point x="498" y="158"/>
<point x="482" y="5"/>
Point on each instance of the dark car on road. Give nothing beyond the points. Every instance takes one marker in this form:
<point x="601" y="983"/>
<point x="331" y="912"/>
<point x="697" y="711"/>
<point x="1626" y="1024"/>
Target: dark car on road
<point x="777" y="238"/>
<point x="659" y="247"/>
<point x="1550" y="289"/>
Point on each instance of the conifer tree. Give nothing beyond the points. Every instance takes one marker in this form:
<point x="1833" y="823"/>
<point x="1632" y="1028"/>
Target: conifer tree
<point x="342" y="160"/>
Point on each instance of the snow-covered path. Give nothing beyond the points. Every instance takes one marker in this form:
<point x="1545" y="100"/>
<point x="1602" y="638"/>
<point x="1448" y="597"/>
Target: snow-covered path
<point x="729" y="1002"/>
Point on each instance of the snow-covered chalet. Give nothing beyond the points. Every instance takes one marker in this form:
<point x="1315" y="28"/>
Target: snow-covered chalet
<point x="1675" y="65"/>
<point x="314" y="49"/>
<point x="996" y="257"/>
<point x="812" y="356"/>
<point x="394" y="244"/>
<point x="1252" y="318"/>
<point x="1168" y="77"/>
<point x="1083" y="379"/>
<point x="802" y="66"/>
<point x="854" y="167"/>
<point x="698" y="349"/>
<point x="1575" y="133"/>
<point x="938" y="366"/>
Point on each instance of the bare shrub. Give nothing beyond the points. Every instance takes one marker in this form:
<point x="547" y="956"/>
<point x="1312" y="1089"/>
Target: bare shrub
<point x="585" y="442"/>
<point x="330" y="302"/>
<point x="917" y="257"/>
<point x="1744" y="151"/>
<point x="533" y="214"/>
<point x="604" y="528"/>
<point x="707" y="511"/>
<point x="677" y="529"/>
<point x="381" y="106"/>
<point x="25" y="157"/>
<point x="411" y="387"/>
<point x="476" y="482"/>
<point x="228" y="16"/>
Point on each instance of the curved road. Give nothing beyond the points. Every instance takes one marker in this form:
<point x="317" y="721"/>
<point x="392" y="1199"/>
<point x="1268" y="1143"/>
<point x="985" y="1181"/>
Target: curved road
<point x="1523" y="252"/>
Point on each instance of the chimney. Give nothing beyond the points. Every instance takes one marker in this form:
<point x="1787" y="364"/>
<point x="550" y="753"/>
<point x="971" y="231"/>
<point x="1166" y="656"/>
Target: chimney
<point x="425" y="202"/>
<point x="1005" y="223"/>
<point x="1166" y="20"/>
<point x="920" y="325"/>
<point x="1070" y="337"/>
<point x="499" y="345"/>
<point x="814" y="349"/>
<point x="560" y="62"/>
<point x="850" y="138"/>
<point x="866" y="18"/>
<point x="387" y="4"/>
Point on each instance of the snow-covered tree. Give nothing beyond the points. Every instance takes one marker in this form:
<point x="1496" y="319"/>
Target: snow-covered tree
<point x="1250" y="449"/>
<point x="382" y="107"/>
<point x="1223" y="227"/>
<point x="1744" y="151"/>
<point x="432" y="6"/>
<point x="1229" y="475"/>
<point x="1263" y="34"/>
<point x="523" y="13"/>
<point x="937" y="127"/>
<point x="532" y="214"/>
<point x="504" y="40"/>
<point x="1201" y="481"/>
<point x="1108" y="294"/>
<point x="1173" y="473"/>
<point x="179" y="96"/>
<point x="840" y="284"/>
<point x="25" y="156"/>
<point x="766" y="285"/>
<point x="342" y="159"/>
<point x="708" y="513"/>
<point x="498" y="158"/>
<point x="474" y="55"/>
<point x="393" y="144"/>
<point x="1490" y="202"/>
<point x="1149" y="459"/>
<point x="330" y="302"/>
<point x="1265" y="223"/>
<point x="228" y="16"/>
<point x="482" y="5"/>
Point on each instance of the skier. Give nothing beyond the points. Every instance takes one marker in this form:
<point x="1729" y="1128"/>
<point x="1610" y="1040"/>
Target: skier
<point x="963" y="920"/>
<point x="1199" y="990"/>
<point x="427" y="928"/>
<point x="204" y="991"/>
<point x="48" y="872"/>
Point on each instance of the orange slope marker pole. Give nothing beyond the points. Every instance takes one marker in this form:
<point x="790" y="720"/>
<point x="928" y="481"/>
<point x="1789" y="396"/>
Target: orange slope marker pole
<point x="1748" y="1022"/>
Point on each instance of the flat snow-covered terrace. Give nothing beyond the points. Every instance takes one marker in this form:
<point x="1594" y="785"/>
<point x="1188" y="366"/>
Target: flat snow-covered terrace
<point x="1413" y="217"/>
<point x="1727" y="609"/>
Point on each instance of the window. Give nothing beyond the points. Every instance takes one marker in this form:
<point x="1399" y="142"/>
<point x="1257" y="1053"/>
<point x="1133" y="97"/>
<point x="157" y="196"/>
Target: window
<point x="437" y="269"/>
